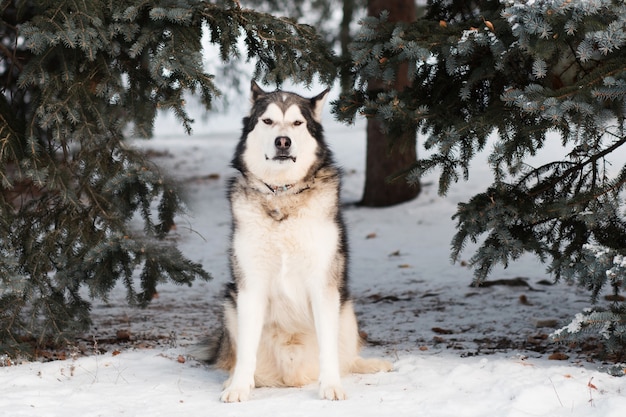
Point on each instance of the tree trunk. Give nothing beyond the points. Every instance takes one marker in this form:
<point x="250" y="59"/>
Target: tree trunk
<point x="345" y="37"/>
<point x="385" y="155"/>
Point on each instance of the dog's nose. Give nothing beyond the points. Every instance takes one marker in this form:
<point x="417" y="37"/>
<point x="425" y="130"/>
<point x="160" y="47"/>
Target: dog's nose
<point x="282" y="143"/>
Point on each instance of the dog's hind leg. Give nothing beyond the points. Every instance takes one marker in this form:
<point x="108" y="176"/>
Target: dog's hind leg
<point x="370" y="365"/>
<point x="350" y="344"/>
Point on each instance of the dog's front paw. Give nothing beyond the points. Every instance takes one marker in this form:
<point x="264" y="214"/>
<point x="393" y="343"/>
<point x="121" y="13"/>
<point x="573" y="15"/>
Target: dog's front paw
<point x="332" y="392"/>
<point x="233" y="394"/>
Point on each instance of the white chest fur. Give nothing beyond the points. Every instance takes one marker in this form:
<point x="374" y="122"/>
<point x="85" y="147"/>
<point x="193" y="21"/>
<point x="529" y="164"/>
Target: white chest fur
<point x="285" y="248"/>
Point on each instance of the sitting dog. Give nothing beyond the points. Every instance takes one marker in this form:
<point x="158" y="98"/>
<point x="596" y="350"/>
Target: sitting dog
<point x="287" y="317"/>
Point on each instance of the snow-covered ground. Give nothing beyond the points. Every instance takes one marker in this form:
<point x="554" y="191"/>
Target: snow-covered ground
<point x="457" y="350"/>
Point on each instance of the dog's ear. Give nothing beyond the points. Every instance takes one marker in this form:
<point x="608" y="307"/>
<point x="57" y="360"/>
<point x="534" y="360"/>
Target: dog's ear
<point x="317" y="104"/>
<point x="255" y="91"/>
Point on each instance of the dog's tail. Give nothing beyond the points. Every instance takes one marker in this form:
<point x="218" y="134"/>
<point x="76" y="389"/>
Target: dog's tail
<point x="216" y="349"/>
<point x="208" y="349"/>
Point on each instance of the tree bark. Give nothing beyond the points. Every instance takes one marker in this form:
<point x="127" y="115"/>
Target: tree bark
<point x="387" y="156"/>
<point x="345" y="37"/>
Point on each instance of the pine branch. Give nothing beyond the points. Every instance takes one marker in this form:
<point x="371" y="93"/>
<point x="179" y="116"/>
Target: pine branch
<point x="539" y="189"/>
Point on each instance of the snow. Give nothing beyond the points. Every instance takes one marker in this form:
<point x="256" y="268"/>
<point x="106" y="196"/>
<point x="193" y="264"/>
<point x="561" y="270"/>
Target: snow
<point x="149" y="383"/>
<point x="576" y="324"/>
<point x="457" y="350"/>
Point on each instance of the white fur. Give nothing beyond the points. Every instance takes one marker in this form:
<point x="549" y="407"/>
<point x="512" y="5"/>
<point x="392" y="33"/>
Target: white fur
<point x="260" y="148"/>
<point x="286" y="286"/>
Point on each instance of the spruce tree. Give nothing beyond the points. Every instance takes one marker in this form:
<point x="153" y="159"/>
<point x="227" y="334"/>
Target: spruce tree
<point x="79" y="208"/>
<point x="385" y="154"/>
<point x="523" y="70"/>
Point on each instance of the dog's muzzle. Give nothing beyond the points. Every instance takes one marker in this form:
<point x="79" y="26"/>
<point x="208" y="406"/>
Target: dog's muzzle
<point x="283" y="145"/>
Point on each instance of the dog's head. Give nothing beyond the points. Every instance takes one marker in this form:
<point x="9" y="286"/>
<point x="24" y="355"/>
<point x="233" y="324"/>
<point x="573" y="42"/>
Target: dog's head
<point x="282" y="140"/>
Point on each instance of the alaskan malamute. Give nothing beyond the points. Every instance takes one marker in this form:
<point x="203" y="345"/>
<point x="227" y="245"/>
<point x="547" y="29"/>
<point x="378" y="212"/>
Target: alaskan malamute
<point x="287" y="318"/>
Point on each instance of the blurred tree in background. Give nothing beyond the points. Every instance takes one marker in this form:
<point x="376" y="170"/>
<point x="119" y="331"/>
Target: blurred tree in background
<point x="388" y="153"/>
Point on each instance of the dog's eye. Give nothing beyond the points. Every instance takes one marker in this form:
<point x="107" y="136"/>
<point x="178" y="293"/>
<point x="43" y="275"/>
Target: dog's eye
<point x="297" y="123"/>
<point x="267" y="121"/>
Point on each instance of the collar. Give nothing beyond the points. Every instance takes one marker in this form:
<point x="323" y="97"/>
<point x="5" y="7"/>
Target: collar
<point x="279" y="188"/>
<point x="283" y="188"/>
